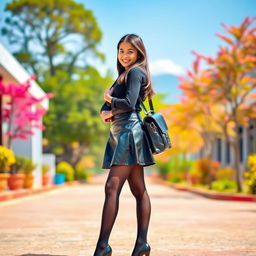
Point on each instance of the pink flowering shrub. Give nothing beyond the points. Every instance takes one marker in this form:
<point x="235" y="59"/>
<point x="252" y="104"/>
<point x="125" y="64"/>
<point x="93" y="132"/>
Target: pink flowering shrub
<point x="20" y="111"/>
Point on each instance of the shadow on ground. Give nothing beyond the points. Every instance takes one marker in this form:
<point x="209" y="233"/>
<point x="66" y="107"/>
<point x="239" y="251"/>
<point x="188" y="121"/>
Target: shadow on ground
<point x="40" y="255"/>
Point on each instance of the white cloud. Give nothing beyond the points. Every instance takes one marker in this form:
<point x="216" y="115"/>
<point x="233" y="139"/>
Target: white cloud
<point x="165" y="66"/>
<point x="160" y="66"/>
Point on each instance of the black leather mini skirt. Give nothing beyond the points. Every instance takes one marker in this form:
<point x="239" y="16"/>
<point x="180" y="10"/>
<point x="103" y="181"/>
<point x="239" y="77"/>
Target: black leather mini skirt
<point x="127" y="143"/>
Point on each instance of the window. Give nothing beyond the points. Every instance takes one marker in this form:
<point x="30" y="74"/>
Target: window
<point x="241" y="144"/>
<point x="252" y="138"/>
<point x="219" y="150"/>
<point x="227" y="153"/>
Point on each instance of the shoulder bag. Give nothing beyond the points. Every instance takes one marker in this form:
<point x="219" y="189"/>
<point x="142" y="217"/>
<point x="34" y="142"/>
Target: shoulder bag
<point x="156" y="129"/>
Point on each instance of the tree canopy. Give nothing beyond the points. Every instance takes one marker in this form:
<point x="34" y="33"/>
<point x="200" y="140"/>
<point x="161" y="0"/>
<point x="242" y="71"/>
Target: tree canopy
<point x="53" y="39"/>
<point x="51" y="35"/>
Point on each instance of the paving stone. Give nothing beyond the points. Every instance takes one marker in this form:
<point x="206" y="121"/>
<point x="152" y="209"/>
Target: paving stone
<point x="66" y="222"/>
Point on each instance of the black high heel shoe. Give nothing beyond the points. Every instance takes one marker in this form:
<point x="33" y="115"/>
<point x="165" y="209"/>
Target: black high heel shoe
<point x="145" y="250"/>
<point x="106" y="252"/>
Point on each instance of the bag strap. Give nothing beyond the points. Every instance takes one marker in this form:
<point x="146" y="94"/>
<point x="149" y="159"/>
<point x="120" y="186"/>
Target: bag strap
<point x="150" y="105"/>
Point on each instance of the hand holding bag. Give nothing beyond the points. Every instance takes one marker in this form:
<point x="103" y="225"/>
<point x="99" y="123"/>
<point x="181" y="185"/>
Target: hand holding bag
<point x="156" y="129"/>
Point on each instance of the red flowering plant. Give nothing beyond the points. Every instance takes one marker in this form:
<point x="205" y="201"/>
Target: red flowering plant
<point x="20" y="112"/>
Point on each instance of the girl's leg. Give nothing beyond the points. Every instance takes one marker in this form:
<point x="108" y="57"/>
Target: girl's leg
<point x="116" y="178"/>
<point x="143" y="205"/>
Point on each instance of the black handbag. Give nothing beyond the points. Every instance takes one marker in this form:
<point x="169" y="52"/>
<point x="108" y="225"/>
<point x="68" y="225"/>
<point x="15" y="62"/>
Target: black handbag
<point x="156" y="129"/>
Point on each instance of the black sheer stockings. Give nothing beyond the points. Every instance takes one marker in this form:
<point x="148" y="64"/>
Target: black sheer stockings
<point x="115" y="181"/>
<point x="143" y="206"/>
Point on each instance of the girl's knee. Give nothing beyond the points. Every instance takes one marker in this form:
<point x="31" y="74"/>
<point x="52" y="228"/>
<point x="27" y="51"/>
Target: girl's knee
<point x="112" y="187"/>
<point x="138" y="192"/>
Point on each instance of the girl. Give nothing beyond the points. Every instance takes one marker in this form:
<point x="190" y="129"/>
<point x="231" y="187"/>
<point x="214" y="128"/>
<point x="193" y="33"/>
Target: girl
<point x="127" y="150"/>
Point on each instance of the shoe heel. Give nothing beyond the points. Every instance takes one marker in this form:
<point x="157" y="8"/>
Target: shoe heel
<point x="109" y="251"/>
<point x="146" y="253"/>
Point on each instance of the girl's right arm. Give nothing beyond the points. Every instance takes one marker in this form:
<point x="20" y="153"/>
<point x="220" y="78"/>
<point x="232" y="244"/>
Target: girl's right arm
<point x="105" y="106"/>
<point x="126" y="104"/>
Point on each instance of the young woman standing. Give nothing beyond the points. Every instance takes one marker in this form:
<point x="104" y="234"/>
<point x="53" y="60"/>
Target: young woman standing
<point x="127" y="150"/>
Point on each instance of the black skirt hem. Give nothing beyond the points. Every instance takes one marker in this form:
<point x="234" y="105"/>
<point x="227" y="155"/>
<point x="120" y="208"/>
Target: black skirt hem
<point x="143" y="164"/>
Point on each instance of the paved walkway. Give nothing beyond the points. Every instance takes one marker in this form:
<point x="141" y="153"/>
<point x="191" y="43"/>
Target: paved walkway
<point x="65" y="222"/>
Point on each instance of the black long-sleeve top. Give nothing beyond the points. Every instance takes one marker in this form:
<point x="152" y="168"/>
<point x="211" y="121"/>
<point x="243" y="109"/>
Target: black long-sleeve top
<point x="126" y="96"/>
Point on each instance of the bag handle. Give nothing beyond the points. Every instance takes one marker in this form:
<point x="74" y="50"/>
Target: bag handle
<point x="150" y="105"/>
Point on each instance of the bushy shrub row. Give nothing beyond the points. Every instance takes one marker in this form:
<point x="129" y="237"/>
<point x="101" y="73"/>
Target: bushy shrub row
<point x="208" y="173"/>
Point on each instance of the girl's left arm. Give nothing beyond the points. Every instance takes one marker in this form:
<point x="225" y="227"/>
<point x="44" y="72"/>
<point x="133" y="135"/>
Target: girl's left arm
<point x="134" y="80"/>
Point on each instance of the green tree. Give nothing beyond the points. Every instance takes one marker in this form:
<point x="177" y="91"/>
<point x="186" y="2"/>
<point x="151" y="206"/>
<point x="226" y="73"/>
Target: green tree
<point x="53" y="39"/>
<point x="51" y="35"/>
<point x="73" y="122"/>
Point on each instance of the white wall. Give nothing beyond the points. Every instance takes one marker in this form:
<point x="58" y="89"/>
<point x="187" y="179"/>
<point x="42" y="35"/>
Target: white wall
<point x="31" y="148"/>
<point x="50" y="159"/>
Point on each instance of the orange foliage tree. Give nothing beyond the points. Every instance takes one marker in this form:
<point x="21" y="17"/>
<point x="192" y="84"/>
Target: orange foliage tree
<point x="233" y="83"/>
<point x="219" y="98"/>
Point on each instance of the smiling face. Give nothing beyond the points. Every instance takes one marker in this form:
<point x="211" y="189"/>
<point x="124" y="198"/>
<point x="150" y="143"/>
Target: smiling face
<point x="127" y="54"/>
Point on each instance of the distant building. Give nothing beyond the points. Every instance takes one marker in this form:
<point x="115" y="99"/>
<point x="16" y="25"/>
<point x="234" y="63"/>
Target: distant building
<point x="223" y="152"/>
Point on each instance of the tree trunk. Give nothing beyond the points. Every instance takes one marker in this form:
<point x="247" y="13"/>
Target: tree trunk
<point x="236" y="149"/>
<point x="211" y="176"/>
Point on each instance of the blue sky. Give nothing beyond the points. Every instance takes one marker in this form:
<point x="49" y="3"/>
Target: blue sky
<point x="170" y="29"/>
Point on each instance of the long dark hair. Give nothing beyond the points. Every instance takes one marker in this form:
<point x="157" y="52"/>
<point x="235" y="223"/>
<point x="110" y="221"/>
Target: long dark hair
<point x="141" y="62"/>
